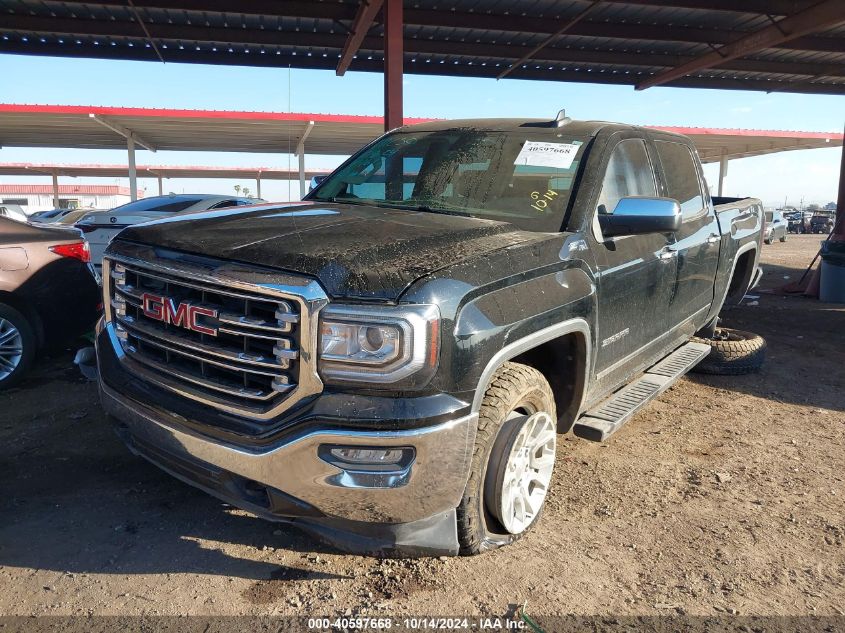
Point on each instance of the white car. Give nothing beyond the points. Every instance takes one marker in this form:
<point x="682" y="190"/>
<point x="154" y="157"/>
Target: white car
<point x="12" y="211"/>
<point x="100" y="228"/>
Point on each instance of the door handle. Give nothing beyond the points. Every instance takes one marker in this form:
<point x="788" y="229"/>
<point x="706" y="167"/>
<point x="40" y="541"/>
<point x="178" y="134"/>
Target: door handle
<point x="713" y="238"/>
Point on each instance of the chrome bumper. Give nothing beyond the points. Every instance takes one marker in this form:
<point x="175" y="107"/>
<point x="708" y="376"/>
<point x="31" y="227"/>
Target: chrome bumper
<point x="432" y="484"/>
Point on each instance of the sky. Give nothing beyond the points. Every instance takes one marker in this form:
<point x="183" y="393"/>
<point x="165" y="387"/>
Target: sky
<point x="787" y="177"/>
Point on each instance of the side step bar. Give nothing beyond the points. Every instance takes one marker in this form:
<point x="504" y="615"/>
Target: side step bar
<point x="608" y="416"/>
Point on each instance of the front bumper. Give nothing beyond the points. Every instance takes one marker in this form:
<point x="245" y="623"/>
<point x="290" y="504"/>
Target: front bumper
<point x="411" y="510"/>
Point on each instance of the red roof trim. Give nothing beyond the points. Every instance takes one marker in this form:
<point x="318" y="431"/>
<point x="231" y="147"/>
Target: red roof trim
<point x="727" y="131"/>
<point x="91" y="190"/>
<point x="60" y="166"/>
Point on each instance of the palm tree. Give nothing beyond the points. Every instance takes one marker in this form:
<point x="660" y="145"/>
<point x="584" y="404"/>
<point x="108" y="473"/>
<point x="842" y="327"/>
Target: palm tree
<point x="238" y="189"/>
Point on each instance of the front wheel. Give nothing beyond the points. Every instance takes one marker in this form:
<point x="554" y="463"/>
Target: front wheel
<point x="512" y="461"/>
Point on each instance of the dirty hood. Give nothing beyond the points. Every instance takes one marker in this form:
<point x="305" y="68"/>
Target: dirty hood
<point x="355" y="251"/>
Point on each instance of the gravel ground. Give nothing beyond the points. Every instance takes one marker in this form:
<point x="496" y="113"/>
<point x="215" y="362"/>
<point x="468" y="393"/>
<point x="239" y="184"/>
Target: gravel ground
<point x="724" y="496"/>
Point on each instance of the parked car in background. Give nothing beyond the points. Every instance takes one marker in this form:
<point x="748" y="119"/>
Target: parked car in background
<point x="48" y="293"/>
<point x="100" y="228"/>
<point x="390" y="361"/>
<point x="51" y="215"/>
<point x="776" y="228"/>
<point x="76" y="216"/>
<point x="12" y="211"/>
<point x="799" y="222"/>
<point x="821" y="224"/>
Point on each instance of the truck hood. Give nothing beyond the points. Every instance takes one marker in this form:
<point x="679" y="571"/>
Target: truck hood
<point x="355" y="251"/>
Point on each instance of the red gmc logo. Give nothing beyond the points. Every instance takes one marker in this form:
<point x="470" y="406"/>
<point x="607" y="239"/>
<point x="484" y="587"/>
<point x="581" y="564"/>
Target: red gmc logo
<point x="184" y="315"/>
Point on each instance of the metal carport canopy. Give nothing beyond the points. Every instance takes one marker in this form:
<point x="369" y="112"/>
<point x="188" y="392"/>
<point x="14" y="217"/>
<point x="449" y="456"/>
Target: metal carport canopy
<point x="25" y="125"/>
<point x="768" y="45"/>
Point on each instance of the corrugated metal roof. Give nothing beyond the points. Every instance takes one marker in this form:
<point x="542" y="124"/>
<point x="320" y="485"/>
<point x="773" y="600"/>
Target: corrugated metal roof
<point x="620" y="42"/>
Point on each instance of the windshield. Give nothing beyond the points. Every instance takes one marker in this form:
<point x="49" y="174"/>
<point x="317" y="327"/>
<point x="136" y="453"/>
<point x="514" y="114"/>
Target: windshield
<point x="524" y="177"/>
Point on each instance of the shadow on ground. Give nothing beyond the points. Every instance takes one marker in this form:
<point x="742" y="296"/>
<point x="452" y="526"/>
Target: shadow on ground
<point x="75" y="500"/>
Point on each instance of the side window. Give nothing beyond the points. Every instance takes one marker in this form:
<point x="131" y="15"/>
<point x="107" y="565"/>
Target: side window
<point x="682" y="181"/>
<point x="224" y="203"/>
<point x="629" y="173"/>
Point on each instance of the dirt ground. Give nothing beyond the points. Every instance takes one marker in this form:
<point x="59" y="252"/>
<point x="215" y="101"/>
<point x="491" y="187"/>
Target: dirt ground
<point x="725" y="496"/>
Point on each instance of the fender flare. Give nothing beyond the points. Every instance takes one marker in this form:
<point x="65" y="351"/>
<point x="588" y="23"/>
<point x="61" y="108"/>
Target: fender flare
<point x="511" y="350"/>
<point x="750" y="246"/>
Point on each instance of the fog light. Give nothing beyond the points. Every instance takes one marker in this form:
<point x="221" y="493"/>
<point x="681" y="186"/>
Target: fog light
<point x="367" y="455"/>
<point x="367" y="458"/>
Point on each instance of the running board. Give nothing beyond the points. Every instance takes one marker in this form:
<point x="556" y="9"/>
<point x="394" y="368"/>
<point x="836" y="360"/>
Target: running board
<point x="608" y="417"/>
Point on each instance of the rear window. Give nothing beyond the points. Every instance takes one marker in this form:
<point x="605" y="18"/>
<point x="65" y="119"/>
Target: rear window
<point x="166" y="204"/>
<point x="681" y="177"/>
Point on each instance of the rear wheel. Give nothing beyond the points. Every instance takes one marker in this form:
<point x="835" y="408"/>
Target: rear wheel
<point x="17" y="346"/>
<point x="783" y="237"/>
<point x="733" y="352"/>
<point x="512" y="460"/>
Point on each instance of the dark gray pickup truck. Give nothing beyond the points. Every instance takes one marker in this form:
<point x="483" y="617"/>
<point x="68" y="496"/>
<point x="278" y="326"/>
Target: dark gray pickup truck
<point x="389" y="363"/>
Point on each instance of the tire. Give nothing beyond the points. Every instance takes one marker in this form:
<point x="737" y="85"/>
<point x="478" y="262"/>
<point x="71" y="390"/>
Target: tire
<point x="767" y="241"/>
<point x="15" y="334"/>
<point x="517" y="397"/>
<point x="783" y="237"/>
<point x="733" y="352"/>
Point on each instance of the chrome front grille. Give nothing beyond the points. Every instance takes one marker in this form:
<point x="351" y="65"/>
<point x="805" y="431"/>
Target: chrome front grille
<point x="252" y="355"/>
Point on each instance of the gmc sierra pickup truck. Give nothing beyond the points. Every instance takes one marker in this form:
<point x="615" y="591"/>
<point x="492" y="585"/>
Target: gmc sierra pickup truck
<point x="389" y="362"/>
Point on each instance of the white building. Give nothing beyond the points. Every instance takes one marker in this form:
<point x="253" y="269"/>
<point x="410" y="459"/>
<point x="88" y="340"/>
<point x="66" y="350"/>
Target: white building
<point x="34" y="198"/>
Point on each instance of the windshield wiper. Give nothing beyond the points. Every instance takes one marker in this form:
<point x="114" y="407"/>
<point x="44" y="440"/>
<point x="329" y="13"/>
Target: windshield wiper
<point x="425" y="208"/>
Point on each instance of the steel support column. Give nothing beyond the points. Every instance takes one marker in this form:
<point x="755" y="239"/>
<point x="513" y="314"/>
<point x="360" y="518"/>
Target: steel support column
<point x="133" y="178"/>
<point x="160" y="188"/>
<point x="393" y="63"/>
<point x="55" y="190"/>
<point x="258" y="185"/>
<point x="300" y="155"/>
<point x="723" y="172"/>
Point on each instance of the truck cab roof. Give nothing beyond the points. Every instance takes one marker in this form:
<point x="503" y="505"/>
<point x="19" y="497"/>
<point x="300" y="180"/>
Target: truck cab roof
<point x="572" y="127"/>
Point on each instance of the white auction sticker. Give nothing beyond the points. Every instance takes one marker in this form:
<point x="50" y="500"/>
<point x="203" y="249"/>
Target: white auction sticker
<point x="539" y="154"/>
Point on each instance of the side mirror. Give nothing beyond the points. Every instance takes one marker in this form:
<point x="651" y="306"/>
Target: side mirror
<point x="637" y="215"/>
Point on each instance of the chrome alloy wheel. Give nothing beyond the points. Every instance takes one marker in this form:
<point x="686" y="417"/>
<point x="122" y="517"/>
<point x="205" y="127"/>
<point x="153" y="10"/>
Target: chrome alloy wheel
<point x="524" y="479"/>
<point x="11" y="348"/>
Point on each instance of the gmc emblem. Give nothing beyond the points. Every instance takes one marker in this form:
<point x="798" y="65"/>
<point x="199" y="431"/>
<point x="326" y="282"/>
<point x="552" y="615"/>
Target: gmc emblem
<point x="184" y="315"/>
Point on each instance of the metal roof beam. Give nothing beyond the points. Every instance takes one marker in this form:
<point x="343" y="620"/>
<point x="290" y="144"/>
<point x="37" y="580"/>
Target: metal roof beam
<point x="250" y="37"/>
<point x="367" y="11"/>
<point x="554" y="36"/>
<point x="300" y="146"/>
<point x="763" y="7"/>
<point x="819" y="17"/>
<point x="125" y="132"/>
<point x="417" y="17"/>
<point x="464" y="70"/>
<point x="346" y="12"/>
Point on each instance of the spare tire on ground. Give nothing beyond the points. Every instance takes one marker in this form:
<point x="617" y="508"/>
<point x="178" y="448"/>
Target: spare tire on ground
<point x="733" y="352"/>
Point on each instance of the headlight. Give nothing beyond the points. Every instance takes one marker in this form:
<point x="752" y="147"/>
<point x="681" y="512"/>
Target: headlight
<point x="379" y="344"/>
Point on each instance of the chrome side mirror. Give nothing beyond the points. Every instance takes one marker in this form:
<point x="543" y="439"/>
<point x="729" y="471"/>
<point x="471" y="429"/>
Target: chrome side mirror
<point x="638" y="215"/>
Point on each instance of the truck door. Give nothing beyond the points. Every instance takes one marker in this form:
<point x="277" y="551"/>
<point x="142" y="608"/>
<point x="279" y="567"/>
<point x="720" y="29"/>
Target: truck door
<point x="634" y="274"/>
<point x="696" y="243"/>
